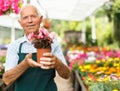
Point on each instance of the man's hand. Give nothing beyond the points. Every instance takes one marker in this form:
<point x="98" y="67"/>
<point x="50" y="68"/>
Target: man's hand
<point x="48" y="61"/>
<point x="30" y="61"/>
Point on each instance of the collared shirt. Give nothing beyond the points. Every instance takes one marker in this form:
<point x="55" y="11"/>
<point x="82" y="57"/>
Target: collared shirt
<point x="13" y="49"/>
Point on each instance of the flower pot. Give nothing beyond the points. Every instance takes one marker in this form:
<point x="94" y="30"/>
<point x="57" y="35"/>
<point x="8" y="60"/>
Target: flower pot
<point x="40" y="53"/>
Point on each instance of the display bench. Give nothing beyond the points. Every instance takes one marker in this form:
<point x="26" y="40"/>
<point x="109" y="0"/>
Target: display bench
<point x="78" y="84"/>
<point x="3" y="87"/>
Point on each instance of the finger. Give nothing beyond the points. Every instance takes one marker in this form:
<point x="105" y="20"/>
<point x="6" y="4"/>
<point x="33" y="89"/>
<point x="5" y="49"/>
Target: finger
<point x="48" y="54"/>
<point x="44" y="67"/>
<point x="29" y="55"/>
<point x="33" y="63"/>
<point x="47" y="67"/>
<point x="50" y="59"/>
<point x="47" y="63"/>
<point x="46" y="59"/>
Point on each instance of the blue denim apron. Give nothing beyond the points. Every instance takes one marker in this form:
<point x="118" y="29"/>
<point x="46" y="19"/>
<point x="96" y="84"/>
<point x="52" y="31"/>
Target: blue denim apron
<point x="35" y="79"/>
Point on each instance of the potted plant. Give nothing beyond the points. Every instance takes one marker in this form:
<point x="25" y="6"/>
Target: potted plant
<point x="10" y="6"/>
<point x="42" y="41"/>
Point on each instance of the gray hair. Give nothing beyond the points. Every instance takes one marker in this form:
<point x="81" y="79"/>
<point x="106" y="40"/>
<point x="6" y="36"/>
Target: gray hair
<point x="31" y="6"/>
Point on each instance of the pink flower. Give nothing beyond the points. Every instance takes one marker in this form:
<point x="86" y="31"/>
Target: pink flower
<point x="39" y="36"/>
<point x="10" y="6"/>
<point x="42" y="38"/>
<point x="52" y="35"/>
<point x="43" y="33"/>
<point x="114" y="77"/>
<point x="0" y="13"/>
<point x="31" y="35"/>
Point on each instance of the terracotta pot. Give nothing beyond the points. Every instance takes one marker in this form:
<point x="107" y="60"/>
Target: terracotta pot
<point x="40" y="53"/>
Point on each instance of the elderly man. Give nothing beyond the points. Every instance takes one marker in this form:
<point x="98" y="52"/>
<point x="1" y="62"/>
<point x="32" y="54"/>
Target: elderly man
<point x="21" y="66"/>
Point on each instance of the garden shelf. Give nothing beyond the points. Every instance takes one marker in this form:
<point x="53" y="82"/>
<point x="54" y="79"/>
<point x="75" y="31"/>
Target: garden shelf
<point x="78" y="84"/>
<point x="3" y="87"/>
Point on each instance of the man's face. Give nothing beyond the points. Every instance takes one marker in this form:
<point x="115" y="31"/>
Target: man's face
<point x="30" y="19"/>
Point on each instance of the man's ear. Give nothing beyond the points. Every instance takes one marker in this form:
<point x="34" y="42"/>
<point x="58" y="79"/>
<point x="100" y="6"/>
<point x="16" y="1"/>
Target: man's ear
<point x="19" y="22"/>
<point x="41" y="17"/>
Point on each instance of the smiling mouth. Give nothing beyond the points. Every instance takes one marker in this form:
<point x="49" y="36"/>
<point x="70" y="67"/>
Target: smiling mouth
<point x="31" y="26"/>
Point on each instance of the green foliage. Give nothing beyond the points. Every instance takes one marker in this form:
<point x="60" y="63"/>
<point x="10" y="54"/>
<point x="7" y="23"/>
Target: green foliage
<point x="99" y="86"/>
<point x="110" y="8"/>
<point x="116" y="6"/>
<point x="60" y="26"/>
<point x="117" y="85"/>
<point x="2" y="59"/>
<point x="75" y="67"/>
<point x="117" y="27"/>
<point x="105" y="86"/>
<point x="104" y="27"/>
<point x="88" y="32"/>
<point x="114" y="12"/>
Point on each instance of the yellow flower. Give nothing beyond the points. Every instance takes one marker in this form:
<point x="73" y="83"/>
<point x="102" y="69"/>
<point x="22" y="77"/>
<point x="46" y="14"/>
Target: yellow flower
<point x="110" y="59"/>
<point x="106" y="79"/>
<point x="97" y="61"/>
<point x="92" y="70"/>
<point x="105" y="68"/>
<point x="114" y="90"/>
<point x="87" y="66"/>
<point x="116" y="59"/>
<point x="89" y="79"/>
<point x="80" y="67"/>
<point x="115" y="64"/>
<point x="83" y="70"/>
<point x="103" y="60"/>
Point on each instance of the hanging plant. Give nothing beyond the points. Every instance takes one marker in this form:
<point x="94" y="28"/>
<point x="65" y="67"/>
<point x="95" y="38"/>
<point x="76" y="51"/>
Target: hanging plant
<point x="10" y="6"/>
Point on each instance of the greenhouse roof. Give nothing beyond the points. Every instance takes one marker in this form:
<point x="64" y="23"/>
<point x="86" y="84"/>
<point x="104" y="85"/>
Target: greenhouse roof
<point x="75" y="10"/>
<point x="72" y="10"/>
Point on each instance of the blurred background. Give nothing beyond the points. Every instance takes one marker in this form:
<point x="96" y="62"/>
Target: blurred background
<point x="87" y="31"/>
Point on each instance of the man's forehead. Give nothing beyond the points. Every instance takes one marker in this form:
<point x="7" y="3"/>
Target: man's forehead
<point x="28" y="7"/>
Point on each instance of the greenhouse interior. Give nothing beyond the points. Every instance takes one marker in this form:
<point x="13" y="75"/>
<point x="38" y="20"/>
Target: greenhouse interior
<point x="88" y="32"/>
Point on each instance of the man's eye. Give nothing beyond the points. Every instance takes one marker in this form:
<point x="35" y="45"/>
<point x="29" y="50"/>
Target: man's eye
<point x="24" y="18"/>
<point x="33" y="16"/>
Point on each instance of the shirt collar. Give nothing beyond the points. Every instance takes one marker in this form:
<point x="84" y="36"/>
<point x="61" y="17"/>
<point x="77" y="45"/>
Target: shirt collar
<point x="25" y="39"/>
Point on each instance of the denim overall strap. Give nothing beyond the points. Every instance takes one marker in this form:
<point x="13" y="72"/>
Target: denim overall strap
<point x="35" y="79"/>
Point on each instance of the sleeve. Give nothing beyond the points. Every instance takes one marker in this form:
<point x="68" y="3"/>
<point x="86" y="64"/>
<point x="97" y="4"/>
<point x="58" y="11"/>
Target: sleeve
<point x="11" y="57"/>
<point x="56" y="49"/>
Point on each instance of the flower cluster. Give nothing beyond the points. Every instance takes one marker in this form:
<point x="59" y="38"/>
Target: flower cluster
<point x="42" y="38"/>
<point x="10" y="6"/>
<point x="99" y="71"/>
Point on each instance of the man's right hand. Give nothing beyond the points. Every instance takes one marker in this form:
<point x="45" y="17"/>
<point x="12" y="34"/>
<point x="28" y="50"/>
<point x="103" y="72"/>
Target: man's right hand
<point x="30" y="61"/>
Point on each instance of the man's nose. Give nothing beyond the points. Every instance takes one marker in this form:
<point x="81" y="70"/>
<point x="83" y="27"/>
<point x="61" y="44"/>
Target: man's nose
<point x="29" y="19"/>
